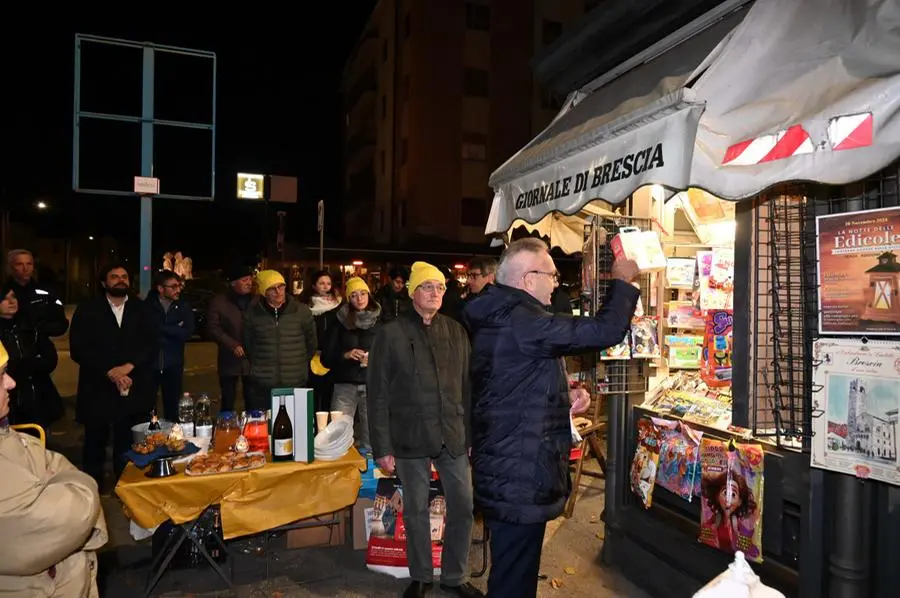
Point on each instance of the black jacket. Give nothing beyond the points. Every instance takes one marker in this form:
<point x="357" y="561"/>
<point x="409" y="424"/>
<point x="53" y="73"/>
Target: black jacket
<point x="32" y="359"/>
<point x="418" y="388"/>
<point x="345" y="335"/>
<point x="393" y="304"/>
<point x="98" y="344"/>
<point x="520" y="396"/>
<point x="41" y="306"/>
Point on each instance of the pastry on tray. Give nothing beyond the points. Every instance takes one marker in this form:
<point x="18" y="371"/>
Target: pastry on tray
<point x="213" y="463"/>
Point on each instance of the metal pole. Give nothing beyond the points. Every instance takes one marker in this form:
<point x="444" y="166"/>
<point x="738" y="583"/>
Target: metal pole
<point x="849" y="559"/>
<point x="146" y="254"/>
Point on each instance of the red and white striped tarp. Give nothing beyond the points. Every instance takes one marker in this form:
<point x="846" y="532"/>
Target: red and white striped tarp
<point x="851" y="131"/>
<point x="783" y="144"/>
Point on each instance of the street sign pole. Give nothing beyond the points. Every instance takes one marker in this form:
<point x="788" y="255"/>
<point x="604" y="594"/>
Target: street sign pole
<point x="146" y="253"/>
<point x="320" y="209"/>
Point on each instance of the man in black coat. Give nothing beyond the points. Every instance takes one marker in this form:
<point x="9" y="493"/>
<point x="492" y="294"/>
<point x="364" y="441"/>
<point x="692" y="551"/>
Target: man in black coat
<point x="114" y="341"/>
<point x="521" y="402"/>
<point x="38" y="303"/>
<point x="418" y="392"/>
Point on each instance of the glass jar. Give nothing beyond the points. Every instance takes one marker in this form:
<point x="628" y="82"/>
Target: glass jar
<point x="256" y="431"/>
<point x="226" y="433"/>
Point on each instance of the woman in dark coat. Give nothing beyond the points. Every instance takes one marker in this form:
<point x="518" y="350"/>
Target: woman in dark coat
<point x="323" y="300"/>
<point x="32" y="358"/>
<point x="346" y="353"/>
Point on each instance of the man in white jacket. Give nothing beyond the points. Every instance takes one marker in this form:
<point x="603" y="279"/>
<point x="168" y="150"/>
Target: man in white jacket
<point x="51" y="522"/>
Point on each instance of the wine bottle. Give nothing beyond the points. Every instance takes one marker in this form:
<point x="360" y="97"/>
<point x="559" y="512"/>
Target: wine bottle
<point x="154" y="421"/>
<point x="282" y="435"/>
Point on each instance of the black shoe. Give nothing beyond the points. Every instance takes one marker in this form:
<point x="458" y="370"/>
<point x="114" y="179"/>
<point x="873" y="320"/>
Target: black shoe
<point x="466" y="590"/>
<point x="416" y="589"/>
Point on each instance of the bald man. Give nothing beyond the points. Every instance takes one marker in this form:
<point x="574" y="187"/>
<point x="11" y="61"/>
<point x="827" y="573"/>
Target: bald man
<point x="521" y="402"/>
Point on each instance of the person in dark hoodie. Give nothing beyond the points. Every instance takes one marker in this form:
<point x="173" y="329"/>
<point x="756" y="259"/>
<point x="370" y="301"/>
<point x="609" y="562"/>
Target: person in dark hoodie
<point x="393" y="298"/>
<point x="521" y="402"/>
<point x="38" y="303"/>
<point x="225" y="326"/>
<point x="176" y="325"/>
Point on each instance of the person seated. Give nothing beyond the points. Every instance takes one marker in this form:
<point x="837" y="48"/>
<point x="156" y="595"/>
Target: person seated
<point x="51" y="521"/>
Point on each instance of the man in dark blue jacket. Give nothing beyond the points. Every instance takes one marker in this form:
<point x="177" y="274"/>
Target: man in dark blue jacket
<point x="521" y="402"/>
<point x="176" y="326"/>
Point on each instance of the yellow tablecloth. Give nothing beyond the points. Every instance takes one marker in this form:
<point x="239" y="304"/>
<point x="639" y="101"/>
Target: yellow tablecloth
<point x="251" y="501"/>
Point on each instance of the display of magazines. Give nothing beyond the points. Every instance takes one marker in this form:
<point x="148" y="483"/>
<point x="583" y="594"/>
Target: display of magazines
<point x="686" y="396"/>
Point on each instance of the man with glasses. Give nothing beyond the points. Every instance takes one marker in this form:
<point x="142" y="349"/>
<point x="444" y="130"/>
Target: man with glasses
<point x="481" y="272"/>
<point x="418" y="385"/>
<point x="176" y="326"/>
<point x="522" y="402"/>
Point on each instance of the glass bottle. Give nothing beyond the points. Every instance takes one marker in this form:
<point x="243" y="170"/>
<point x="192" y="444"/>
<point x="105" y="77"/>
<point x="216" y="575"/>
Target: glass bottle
<point x="154" y="421"/>
<point x="282" y="435"/>
<point x="203" y="422"/>
<point x="186" y="414"/>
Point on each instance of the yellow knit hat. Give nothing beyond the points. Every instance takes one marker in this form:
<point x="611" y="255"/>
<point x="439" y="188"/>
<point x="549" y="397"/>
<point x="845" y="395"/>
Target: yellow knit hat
<point x="423" y="272"/>
<point x="355" y="284"/>
<point x="267" y="279"/>
<point x="4" y="356"/>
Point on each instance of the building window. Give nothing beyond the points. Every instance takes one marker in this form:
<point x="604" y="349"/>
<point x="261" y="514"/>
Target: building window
<point x="383" y="107"/>
<point x="381" y="157"/>
<point x="478" y="17"/>
<point x="472" y="211"/>
<point x="476" y="83"/>
<point x="551" y="31"/>
<point x="474" y="147"/>
<point x="384" y="51"/>
<point x="407" y="25"/>
<point x="404" y="151"/>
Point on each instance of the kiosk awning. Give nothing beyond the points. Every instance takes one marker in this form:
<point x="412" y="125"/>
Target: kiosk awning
<point x="771" y="94"/>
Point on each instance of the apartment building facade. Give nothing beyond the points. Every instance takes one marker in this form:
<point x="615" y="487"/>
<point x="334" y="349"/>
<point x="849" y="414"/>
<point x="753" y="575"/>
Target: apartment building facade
<point x="437" y="95"/>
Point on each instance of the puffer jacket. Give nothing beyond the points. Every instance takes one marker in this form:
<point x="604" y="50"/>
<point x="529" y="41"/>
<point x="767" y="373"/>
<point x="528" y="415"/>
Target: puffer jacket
<point x="280" y="343"/>
<point x="520" y="396"/>
<point x="52" y="513"/>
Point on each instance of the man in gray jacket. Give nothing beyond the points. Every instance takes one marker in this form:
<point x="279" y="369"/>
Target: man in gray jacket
<point x="418" y="386"/>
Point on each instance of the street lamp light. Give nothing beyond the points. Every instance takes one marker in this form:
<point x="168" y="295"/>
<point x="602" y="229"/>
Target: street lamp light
<point x="41" y="205"/>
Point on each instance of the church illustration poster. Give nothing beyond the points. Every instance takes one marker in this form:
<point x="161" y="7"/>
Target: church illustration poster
<point x="856" y="408"/>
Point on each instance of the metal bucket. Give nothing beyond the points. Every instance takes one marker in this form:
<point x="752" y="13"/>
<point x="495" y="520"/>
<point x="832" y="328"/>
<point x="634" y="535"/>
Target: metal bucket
<point x="140" y="431"/>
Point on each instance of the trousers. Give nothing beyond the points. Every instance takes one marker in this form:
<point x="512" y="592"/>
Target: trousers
<point x="456" y="478"/>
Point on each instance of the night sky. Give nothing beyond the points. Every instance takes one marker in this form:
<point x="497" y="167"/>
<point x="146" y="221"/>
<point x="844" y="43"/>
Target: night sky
<point x="278" y="112"/>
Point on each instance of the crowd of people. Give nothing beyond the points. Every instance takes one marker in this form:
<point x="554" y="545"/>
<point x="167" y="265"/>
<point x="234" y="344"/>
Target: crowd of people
<point x="474" y="385"/>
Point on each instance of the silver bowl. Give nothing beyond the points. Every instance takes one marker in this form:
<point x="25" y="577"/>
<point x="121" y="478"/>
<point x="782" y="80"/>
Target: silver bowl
<point x="140" y="431"/>
<point x="161" y="468"/>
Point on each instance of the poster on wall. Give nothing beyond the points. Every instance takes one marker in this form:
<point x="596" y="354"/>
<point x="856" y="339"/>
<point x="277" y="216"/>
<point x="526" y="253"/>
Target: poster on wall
<point x="856" y="408"/>
<point x="859" y="275"/>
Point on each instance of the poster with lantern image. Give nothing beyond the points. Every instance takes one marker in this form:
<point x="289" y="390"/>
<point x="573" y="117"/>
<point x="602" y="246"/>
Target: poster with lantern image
<point x="859" y="272"/>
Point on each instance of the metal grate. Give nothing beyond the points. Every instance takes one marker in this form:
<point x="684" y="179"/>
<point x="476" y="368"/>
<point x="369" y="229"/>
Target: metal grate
<point x="618" y="377"/>
<point x="778" y="408"/>
<point x="784" y="307"/>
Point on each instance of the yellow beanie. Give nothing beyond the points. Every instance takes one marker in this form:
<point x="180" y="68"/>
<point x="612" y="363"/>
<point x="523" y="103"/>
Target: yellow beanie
<point x="354" y="285"/>
<point x="267" y="279"/>
<point x="4" y="356"/>
<point x="423" y="272"/>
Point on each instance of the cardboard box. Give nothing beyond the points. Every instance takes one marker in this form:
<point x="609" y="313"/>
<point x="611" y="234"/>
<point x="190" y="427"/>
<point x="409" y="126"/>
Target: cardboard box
<point x="358" y="523"/>
<point x="323" y="535"/>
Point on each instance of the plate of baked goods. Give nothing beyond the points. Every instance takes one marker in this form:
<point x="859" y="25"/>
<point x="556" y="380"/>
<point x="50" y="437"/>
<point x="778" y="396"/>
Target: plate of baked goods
<point x="215" y="463"/>
<point x="159" y="445"/>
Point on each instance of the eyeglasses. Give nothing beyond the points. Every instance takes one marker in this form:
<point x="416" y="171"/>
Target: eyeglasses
<point x="554" y="275"/>
<point x="430" y="287"/>
<point x="476" y="274"/>
<point x="174" y="285"/>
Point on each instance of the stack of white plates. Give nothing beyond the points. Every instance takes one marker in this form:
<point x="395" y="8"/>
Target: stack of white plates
<point x="335" y="440"/>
